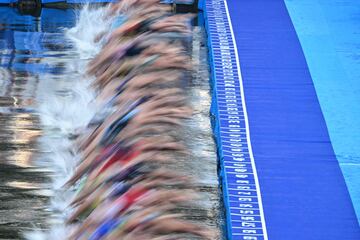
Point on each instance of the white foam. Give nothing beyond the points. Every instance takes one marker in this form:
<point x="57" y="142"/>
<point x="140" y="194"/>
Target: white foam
<point x="91" y="23"/>
<point x="65" y="105"/>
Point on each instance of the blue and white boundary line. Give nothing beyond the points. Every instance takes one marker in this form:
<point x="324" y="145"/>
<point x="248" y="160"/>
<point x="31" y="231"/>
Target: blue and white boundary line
<point x="241" y="191"/>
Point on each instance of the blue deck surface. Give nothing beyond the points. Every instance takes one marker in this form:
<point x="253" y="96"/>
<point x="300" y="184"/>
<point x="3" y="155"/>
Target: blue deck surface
<point x="327" y="30"/>
<point x="303" y="192"/>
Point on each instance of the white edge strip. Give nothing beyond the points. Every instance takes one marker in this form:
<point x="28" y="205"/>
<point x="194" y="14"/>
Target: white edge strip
<point x="247" y="126"/>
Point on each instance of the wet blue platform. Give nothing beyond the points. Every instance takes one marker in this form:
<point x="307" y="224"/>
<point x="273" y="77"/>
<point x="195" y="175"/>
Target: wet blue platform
<point x="285" y="182"/>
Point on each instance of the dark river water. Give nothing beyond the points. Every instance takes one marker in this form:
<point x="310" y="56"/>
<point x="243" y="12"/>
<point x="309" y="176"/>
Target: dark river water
<point x="29" y="49"/>
<point x="42" y="101"/>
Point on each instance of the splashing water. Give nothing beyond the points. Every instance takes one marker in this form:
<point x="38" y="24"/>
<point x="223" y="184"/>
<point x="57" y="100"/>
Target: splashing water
<point x="66" y="105"/>
<point x="91" y="23"/>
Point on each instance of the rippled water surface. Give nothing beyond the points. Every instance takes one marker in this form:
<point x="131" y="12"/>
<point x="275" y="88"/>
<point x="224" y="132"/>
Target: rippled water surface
<point x="33" y="52"/>
<point x="42" y="101"/>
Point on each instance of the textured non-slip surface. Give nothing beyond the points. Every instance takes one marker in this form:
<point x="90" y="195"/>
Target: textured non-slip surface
<point x="303" y="191"/>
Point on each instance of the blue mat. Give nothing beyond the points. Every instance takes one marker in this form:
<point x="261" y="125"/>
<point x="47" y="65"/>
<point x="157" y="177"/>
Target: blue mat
<point x="326" y="29"/>
<point x="303" y="193"/>
<point x="241" y="192"/>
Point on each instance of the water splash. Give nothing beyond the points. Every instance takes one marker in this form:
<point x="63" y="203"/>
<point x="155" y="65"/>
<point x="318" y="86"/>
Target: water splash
<point x="65" y="106"/>
<point x="91" y="23"/>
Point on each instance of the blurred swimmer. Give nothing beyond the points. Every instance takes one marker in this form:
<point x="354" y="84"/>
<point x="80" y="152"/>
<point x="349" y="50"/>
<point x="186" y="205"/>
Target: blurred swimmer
<point x="125" y="189"/>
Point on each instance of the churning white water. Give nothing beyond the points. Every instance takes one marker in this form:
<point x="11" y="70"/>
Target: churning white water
<point x="65" y="106"/>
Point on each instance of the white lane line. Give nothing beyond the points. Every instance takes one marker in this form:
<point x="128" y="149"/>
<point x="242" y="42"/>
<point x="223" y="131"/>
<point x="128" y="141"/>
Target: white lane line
<point x="247" y="125"/>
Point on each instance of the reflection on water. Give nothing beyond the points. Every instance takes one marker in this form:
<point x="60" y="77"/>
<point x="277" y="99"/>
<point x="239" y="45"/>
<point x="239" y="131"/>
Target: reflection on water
<point x="42" y="101"/>
<point x="30" y="49"/>
<point x="202" y="164"/>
